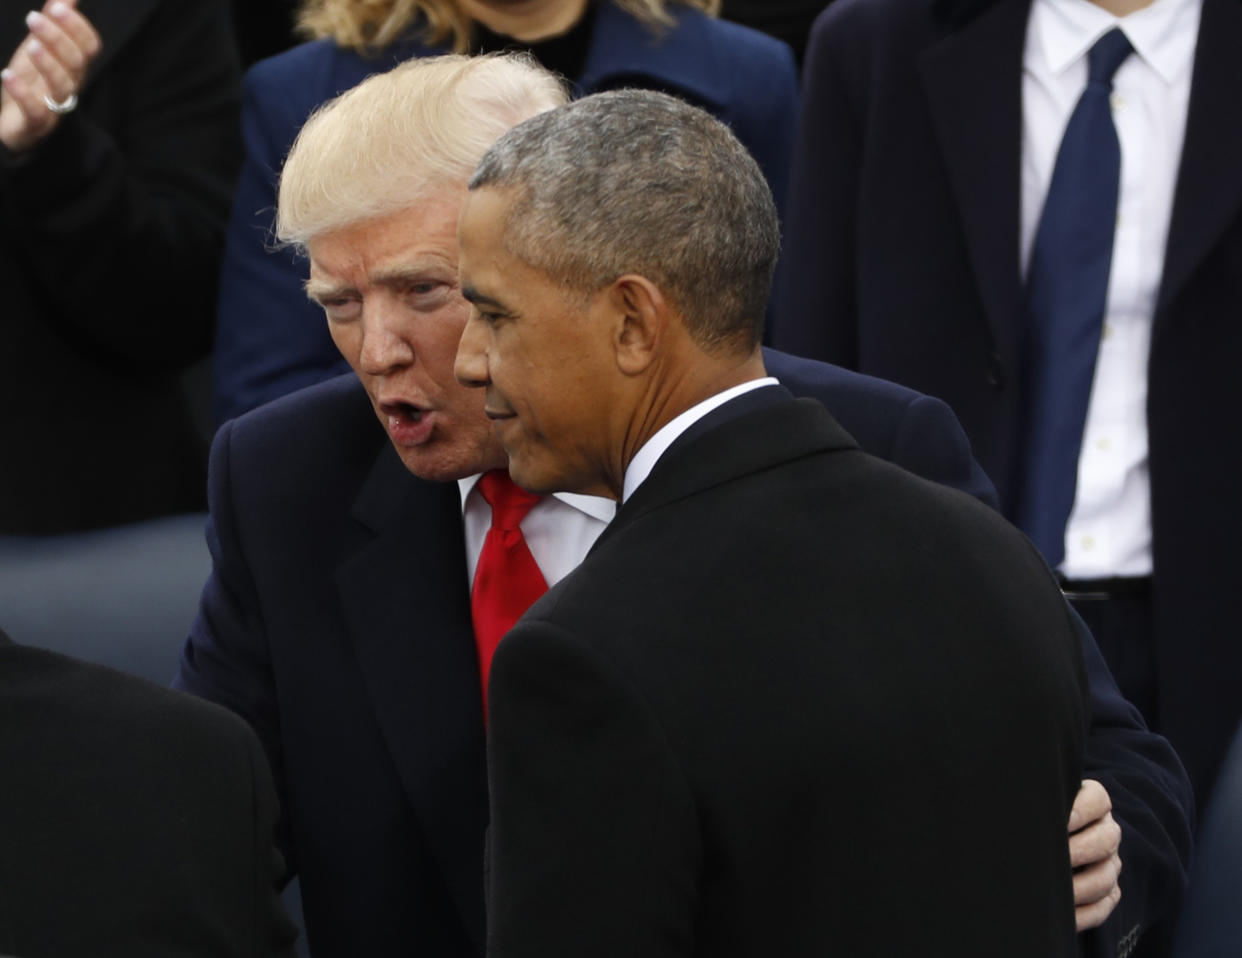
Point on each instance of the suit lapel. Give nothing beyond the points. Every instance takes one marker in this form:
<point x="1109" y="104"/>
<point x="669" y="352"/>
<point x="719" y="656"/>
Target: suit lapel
<point x="407" y="606"/>
<point x="1209" y="181"/>
<point x="973" y="81"/>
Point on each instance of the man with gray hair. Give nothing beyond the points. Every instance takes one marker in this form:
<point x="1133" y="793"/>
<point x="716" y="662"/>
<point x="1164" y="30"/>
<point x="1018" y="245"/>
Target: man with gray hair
<point x="752" y="722"/>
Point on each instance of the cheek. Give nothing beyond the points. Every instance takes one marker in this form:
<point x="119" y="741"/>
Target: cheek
<point x="348" y="340"/>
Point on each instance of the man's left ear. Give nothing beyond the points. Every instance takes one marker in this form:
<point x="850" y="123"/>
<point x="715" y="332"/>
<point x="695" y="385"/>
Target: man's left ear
<point x="641" y="321"/>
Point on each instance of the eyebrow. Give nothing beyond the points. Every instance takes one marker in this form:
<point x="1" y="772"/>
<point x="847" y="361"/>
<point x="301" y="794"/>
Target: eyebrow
<point x="472" y="295"/>
<point x="320" y="289"/>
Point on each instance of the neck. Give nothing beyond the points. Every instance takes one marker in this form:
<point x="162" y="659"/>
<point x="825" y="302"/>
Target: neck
<point x="671" y="392"/>
<point x="527" y="20"/>
<point x="1122" y="8"/>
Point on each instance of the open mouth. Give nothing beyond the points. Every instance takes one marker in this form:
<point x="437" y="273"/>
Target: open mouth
<point x="407" y="424"/>
<point x="402" y="412"/>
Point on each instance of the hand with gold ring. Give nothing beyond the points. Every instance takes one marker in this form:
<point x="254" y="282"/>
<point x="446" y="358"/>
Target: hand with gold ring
<point x="42" y="80"/>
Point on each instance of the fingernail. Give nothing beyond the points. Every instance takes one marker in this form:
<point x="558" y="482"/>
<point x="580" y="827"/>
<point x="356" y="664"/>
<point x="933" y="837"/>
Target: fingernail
<point x="34" y="46"/>
<point x="6" y="74"/>
<point x="58" y="9"/>
<point x="1074" y="821"/>
<point x="33" y="18"/>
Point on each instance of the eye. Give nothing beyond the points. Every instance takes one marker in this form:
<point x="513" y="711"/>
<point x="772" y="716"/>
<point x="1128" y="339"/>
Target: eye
<point x="488" y="317"/>
<point x="341" y="309"/>
<point x="426" y="294"/>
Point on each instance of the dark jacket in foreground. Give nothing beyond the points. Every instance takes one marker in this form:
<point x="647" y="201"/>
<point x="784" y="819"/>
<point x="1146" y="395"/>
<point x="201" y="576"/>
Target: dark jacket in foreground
<point x="135" y="822"/>
<point x="795" y="702"/>
<point x="337" y="621"/>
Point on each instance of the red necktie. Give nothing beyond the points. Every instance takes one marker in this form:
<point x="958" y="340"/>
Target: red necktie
<point x="507" y="580"/>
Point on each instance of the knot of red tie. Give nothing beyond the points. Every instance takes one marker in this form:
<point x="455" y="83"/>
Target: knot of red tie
<point x="510" y="502"/>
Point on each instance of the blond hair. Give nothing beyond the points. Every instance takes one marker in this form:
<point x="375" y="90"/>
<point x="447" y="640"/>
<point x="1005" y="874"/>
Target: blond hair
<point x="368" y="26"/>
<point x="402" y="136"/>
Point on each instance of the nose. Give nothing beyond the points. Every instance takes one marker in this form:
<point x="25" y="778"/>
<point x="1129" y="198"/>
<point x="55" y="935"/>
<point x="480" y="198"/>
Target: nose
<point x="385" y="345"/>
<point x="470" y="367"/>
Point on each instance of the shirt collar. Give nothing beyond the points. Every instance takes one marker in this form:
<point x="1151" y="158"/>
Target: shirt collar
<point x="645" y="459"/>
<point x="1162" y="34"/>
<point x="597" y="507"/>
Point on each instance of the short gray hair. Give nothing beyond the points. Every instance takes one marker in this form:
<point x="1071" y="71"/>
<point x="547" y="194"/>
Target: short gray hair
<point x="633" y="181"/>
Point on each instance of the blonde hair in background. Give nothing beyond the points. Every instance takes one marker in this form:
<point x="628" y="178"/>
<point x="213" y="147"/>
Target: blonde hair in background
<point x="401" y="136"/>
<point x="368" y="26"/>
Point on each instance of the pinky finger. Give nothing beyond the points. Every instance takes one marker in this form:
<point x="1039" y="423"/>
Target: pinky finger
<point x="23" y="94"/>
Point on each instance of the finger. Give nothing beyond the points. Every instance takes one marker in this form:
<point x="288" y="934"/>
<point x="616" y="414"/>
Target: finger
<point x="28" y="100"/>
<point x="60" y="84"/>
<point x="33" y="119"/>
<point x="1095" y="914"/>
<point x="79" y="30"/>
<point x="1091" y="803"/>
<point x="21" y="65"/>
<point x="1095" y="843"/>
<point x="1092" y="884"/>
<point x="57" y="42"/>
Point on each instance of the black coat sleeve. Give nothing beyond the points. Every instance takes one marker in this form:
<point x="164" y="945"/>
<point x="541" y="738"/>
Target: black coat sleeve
<point x="122" y="209"/>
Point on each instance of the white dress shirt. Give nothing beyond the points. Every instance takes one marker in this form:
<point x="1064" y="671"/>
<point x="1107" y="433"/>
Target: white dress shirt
<point x="1109" y="528"/>
<point x="559" y="530"/>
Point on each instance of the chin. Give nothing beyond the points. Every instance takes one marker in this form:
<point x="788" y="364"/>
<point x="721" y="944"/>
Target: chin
<point x="534" y="479"/>
<point x="438" y="465"/>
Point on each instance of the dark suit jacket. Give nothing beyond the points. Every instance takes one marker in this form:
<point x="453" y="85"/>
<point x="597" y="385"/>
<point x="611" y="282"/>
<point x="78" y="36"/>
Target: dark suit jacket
<point x="135" y="822"/>
<point x="272" y="340"/>
<point x="337" y="621"/>
<point x="109" y="257"/>
<point x="779" y="710"/>
<point x="902" y="262"/>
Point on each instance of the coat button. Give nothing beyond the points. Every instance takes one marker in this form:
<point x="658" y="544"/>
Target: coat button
<point x="996" y="372"/>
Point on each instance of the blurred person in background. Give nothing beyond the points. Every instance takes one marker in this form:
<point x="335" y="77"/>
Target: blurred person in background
<point x="788" y="20"/>
<point x="1031" y="209"/>
<point x="271" y="340"/>
<point x="118" y="156"/>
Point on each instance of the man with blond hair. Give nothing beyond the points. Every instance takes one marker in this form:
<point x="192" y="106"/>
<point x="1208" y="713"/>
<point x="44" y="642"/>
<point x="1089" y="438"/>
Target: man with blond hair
<point x="340" y="617"/>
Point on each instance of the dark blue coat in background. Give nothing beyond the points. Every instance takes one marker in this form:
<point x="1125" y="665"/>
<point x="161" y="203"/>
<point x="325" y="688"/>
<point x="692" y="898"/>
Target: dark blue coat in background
<point x="337" y="621"/>
<point x="271" y="340"/>
<point x="902" y="261"/>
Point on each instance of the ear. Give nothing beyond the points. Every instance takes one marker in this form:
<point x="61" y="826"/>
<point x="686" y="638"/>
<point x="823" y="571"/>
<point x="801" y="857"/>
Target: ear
<point x="642" y="317"/>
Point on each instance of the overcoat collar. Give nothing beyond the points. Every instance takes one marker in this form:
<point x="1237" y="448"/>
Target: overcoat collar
<point x="744" y="436"/>
<point x="403" y="589"/>
<point x="680" y="58"/>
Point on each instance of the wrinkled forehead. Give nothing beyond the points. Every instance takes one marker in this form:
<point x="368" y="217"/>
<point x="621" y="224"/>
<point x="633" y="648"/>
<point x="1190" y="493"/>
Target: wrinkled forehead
<point x="423" y="236"/>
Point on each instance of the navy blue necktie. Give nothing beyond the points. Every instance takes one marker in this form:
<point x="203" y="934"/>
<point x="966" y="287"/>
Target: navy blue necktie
<point x="1067" y="287"/>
